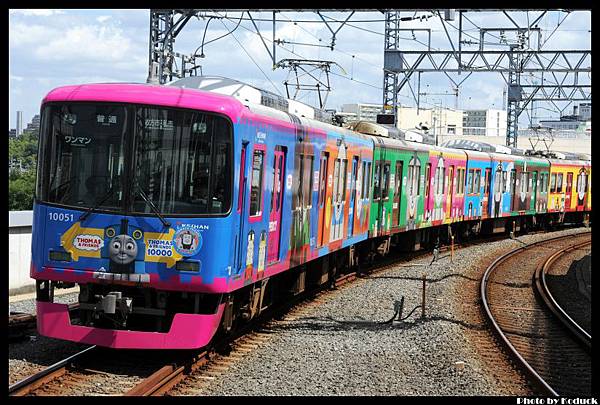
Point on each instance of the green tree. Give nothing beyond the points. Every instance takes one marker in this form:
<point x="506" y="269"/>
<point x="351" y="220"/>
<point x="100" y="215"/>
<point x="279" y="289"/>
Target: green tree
<point x="21" y="188"/>
<point x="21" y="180"/>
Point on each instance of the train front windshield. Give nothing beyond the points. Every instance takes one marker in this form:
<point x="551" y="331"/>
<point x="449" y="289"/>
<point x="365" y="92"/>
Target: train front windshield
<point x="129" y="158"/>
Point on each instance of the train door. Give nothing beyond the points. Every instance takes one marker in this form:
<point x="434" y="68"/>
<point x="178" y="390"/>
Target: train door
<point x="568" y="191"/>
<point x="276" y="204"/>
<point x="534" y="177"/>
<point x="339" y="189"/>
<point x="486" y="192"/>
<point x="323" y="206"/>
<point x="513" y="190"/>
<point x="427" y="204"/>
<point x="498" y="189"/>
<point x="397" y="192"/>
<point x="353" y="176"/>
<point x="412" y="195"/>
<point x="302" y="193"/>
<point x="450" y="193"/>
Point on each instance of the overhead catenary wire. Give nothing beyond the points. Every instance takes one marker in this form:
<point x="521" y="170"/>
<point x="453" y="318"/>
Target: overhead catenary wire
<point x="303" y="58"/>
<point x="252" y="59"/>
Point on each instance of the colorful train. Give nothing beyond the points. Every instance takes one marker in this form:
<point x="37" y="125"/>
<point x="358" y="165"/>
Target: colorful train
<point x="182" y="213"/>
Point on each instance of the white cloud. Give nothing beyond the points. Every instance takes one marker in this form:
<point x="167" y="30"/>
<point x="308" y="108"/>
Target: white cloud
<point x="25" y="35"/>
<point x="36" y="12"/>
<point x="103" y="18"/>
<point x="91" y="43"/>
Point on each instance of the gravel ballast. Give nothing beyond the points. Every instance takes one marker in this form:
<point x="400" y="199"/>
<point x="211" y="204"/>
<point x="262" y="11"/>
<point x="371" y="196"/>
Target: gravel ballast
<point x="342" y="345"/>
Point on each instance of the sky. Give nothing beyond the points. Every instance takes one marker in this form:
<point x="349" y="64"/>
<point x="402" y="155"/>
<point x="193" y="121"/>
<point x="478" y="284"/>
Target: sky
<point x="52" y="48"/>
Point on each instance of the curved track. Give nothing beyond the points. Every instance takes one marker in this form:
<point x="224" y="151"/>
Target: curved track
<point x="556" y="362"/>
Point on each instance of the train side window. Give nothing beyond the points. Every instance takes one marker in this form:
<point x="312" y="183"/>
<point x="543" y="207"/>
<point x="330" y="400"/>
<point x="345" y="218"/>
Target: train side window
<point x="257" y="183"/>
<point x="398" y="184"/>
<point x="386" y="181"/>
<point x="242" y="175"/>
<point x="470" y="182"/>
<point x="443" y="180"/>
<point x="345" y="178"/>
<point x="368" y="180"/>
<point x="336" y="176"/>
<point x="457" y="182"/>
<point x="456" y="187"/>
<point x="307" y="181"/>
<point x="553" y="183"/>
<point x="427" y="179"/>
<point x="559" y="181"/>
<point x="477" y="181"/>
<point x="364" y="179"/>
<point x="569" y="184"/>
<point x="513" y="181"/>
<point x="274" y="175"/>
<point x="323" y="177"/>
<point x="504" y="182"/>
<point x="376" y="181"/>
<point x="418" y="177"/>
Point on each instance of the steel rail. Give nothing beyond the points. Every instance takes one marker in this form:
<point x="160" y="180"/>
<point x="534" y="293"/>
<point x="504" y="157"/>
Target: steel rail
<point x="544" y="292"/>
<point x="533" y="375"/>
<point x="30" y="383"/>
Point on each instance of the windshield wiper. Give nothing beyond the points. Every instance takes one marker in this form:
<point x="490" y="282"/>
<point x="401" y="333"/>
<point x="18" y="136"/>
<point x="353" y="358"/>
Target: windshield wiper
<point x="95" y="207"/>
<point x="151" y="204"/>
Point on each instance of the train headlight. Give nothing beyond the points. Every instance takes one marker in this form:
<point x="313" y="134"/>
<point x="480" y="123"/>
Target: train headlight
<point x="60" y="256"/>
<point x="188" y="266"/>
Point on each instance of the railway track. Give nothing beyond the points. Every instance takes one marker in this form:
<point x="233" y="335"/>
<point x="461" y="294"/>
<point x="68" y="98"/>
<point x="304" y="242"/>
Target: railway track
<point x="188" y="377"/>
<point x="58" y="369"/>
<point x="93" y="371"/>
<point x="556" y="362"/>
<point x="186" y="372"/>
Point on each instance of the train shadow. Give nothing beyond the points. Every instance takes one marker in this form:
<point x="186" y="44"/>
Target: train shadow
<point x="428" y="279"/>
<point x="328" y="323"/>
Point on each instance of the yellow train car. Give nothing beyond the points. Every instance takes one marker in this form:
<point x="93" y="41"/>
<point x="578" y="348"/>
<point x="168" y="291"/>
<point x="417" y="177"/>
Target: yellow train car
<point x="569" y="188"/>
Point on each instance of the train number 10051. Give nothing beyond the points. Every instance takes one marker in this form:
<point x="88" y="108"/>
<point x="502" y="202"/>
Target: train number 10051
<point x="60" y="216"/>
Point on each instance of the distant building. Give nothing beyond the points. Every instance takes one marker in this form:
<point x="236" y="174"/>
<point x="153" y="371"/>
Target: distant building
<point x="579" y="121"/>
<point x="561" y="125"/>
<point x="19" y="123"/>
<point x="363" y="112"/>
<point x="12" y="133"/>
<point x="484" y="122"/>
<point x="34" y="125"/>
<point x="438" y="120"/>
<point x="585" y="111"/>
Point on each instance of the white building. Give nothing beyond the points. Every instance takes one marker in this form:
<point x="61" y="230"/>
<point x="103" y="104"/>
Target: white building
<point x="34" y="125"/>
<point x="444" y="121"/>
<point x="585" y="111"/>
<point x="439" y="120"/>
<point x="19" y="123"/>
<point x="363" y="111"/>
<point x="484" y="122"/>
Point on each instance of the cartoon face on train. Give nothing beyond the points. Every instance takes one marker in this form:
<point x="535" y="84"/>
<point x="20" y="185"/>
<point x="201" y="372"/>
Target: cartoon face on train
<point x="581" y="186"/>
<point x="438" y="211"/>
<point x="121" y="243"/>
<point x="122" y="249"/>
<point x="413" y="184"/>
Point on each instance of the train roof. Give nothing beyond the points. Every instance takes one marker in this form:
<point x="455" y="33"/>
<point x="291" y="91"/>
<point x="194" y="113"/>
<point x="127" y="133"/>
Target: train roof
<point x="247" y="93"/>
